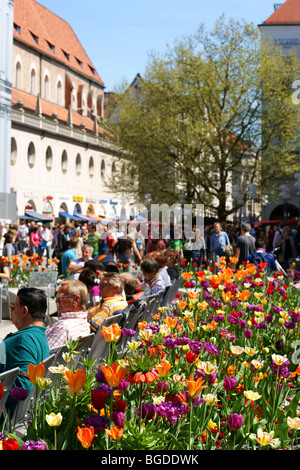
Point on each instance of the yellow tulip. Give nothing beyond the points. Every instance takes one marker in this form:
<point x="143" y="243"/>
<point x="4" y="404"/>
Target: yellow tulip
<point x="54" y="419"/>
<point x="293" y="423"/>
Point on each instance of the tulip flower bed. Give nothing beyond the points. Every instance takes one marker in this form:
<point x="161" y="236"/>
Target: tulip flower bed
<point x="218" y="369"/>
<point x="20" y="267"/>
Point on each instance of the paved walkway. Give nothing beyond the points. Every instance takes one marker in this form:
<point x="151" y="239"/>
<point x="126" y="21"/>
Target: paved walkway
<point x="6" y="327"/>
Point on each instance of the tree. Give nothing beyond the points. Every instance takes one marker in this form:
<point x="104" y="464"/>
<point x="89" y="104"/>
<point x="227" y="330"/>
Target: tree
<point x="213" y="111"/>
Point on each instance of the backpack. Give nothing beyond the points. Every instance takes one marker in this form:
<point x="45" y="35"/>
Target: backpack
<point x="258" y="257"/>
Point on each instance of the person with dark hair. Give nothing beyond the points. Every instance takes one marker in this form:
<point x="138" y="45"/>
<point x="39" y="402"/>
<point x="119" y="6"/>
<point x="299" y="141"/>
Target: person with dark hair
<point x="68" y="256"/>
<point x="150" y="270"/>
<point x="261" y="256"/>
<point x="162" y="261"/>
<point x="135" y="289"/>
<point x="96" y="266"/>
<point x="245" y="244"/>
<point x="111" y="267"/>
<point x="172" y="263"/>
<point x="112" y="300"/>
<point x="29" y="344"/>
<point x="91" y="280"/>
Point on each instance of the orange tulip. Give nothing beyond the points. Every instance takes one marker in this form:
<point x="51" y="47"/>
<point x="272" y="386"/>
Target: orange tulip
<point x="195" y="386"/>
<point x="142" y="325"/>
<point x="75" y="381"/>
<point x="244" y="295"/>
<point x="35" y="372"/>
<point x="115" y="432"/>
<point x="213" y="325"/>
<point x="186" y="276"/>
<point x="181" y="304"/>
<point x="163" y="368"/>
<point x="86" y="436"/>
<point x="193" y="295"/>
<point x="171" y="322"/>
<point x="111" y="333"/>
<point x="226" y="296"/>
<point x="114" y="374"/>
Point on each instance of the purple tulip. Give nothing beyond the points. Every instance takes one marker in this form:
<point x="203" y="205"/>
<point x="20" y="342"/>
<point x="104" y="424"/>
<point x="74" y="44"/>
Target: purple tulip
<point x="128" y="332"/>
<point x="98" y="422"/>
<point x="229" y="383"/>
<point x="235" y="421"/>
<point x="147" y="411"/>
<point x="247" y="333"/>
<point x="34" y="445"/>
<point x="19" y="393"/>
<point x="118" y="418"/>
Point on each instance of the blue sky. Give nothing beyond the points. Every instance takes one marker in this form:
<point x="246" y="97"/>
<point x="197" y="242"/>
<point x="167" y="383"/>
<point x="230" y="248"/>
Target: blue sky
<point x="119" y="34"/>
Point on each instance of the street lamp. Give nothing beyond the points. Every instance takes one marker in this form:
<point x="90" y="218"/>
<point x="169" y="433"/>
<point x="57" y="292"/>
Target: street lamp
<point x="297" y="185"/>
<point x="285" y="194"/>
<point x="252" y="193"/>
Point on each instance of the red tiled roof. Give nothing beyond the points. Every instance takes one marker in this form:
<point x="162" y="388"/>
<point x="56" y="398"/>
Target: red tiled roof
<point x="30" y="102"/>
<point x="36" y="21"/>
<point x="287" y="13"/>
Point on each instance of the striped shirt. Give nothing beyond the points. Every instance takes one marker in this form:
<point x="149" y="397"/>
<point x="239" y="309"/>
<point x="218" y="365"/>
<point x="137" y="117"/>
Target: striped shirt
<point x="107" y="307"/>
<point x="71" y="325"/>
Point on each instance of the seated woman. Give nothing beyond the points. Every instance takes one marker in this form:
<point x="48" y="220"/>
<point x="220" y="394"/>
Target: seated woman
<point x="162" y="261"/>
<point x="92" y="281"/>
<point x="150" y="271"/>
<point x="172" y="257"/>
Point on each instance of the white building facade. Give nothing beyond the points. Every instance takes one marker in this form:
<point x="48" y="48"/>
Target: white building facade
<point x="60" y="158"/>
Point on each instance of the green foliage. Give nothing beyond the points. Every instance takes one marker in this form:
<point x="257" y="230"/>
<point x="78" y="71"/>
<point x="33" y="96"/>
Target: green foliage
<point x="215" y="109"/>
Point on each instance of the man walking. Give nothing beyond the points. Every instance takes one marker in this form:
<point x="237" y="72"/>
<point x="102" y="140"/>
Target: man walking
<point x="245" y="244"/>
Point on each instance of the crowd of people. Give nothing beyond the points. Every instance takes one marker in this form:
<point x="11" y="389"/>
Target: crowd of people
<point x="104" y="272"/>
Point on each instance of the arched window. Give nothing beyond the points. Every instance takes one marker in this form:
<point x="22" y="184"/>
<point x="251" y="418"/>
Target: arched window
<point x="49" y="158"/>
<point x="102" y="169"/>
<point x="113" y="169"/>
<point x="13" y="152"/>
<point x="59" y="93"/>
<point x="64" y="162"/>
<point x="33" y="82"/>
<point x="78" y="164"/>
<point x="31" y="155"/>
<point x="18" y="77"/>
<point x="91" y="167"/>
<point x="46" y="87"/>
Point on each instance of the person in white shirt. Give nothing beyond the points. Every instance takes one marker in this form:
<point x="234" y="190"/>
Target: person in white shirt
<point x="46" y="238"/>
<point x="77" y="266"/>
<point x="71" y="299"/>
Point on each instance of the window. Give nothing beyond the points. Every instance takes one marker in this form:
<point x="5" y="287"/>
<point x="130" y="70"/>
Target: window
<point x="17" y="28"/>
<point x="91" y="167"/>
<point x="78" y="164"/>
<point x="92" y="69"/>
<point x="51" y="46"/>
<point x="49" y="158"/>
<point x="13" y="151"/>
<point x="67" y="56"/>
<point x="79" y="62"/>
<point x="64" y="162"/>
<point x="18" y="77"/>
<point x="46" y="87"/>
<point x="31" y="155"/>
<point x="59" y="93"/>
<point x="113" y="169"/>
<point x="33" y="82"/>
<point x="102" y="169"/>
<point x="35" y="38"/>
